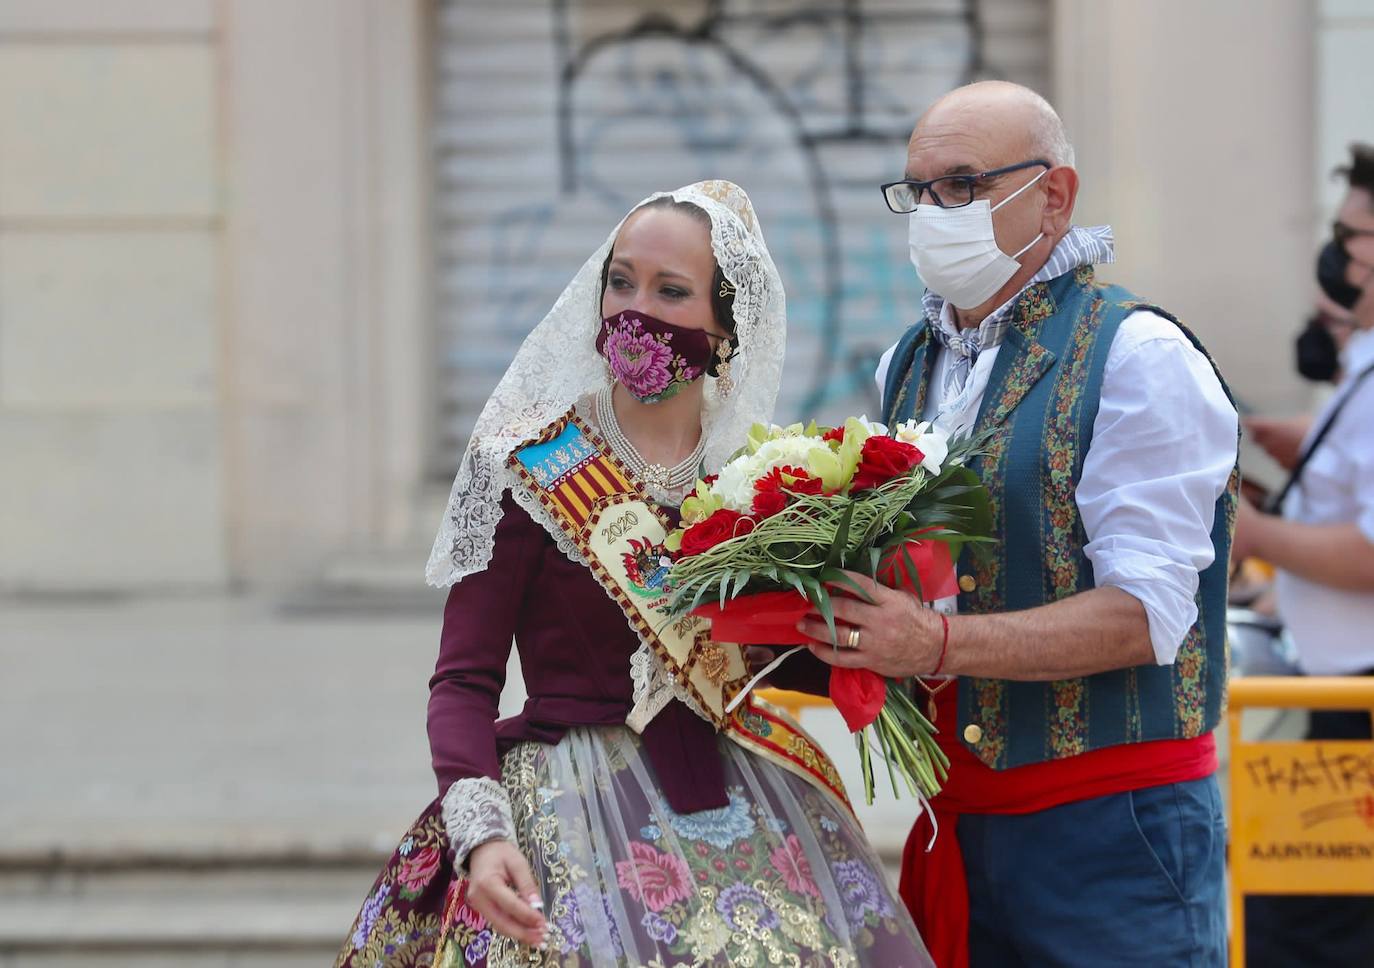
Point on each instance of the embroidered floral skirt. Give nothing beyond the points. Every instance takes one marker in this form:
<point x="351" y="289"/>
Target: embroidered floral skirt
<point x="782" y="875"/>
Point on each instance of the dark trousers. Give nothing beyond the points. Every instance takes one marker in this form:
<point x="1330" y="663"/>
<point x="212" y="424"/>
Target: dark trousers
<point x="1128" y="879"/>
<point x="1314" y="931"/>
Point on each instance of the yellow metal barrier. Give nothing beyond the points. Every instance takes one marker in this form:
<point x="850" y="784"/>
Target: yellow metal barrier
<point x="793" y="702"/>
<point x="1302" y="813"/>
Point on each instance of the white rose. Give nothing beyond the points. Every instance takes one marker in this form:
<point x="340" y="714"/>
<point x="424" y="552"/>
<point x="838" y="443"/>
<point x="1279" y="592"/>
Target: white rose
<point x="786" y="451"/>
<point x="735" y="485"/>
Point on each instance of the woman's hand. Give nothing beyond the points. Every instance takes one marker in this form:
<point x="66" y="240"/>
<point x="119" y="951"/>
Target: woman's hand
<point x="501" y="888"/>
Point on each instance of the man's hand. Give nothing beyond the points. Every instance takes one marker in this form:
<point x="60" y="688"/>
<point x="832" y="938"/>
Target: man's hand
<point x="1280" y="438"/>
<point x="1090" y="632"/>
<point x="898" y="637"/>
<point x="501" y="888"/>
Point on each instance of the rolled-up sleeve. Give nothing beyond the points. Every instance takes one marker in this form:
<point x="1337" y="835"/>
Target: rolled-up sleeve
<point x="1164" y="445"/>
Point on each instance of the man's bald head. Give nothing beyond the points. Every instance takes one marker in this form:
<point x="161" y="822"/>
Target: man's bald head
<point x="985" y="143"/>
<point x="1000" y="122"/>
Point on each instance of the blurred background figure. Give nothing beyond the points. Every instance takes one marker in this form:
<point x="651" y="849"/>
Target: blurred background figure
<point x="261" y="262"/>
<point x="1317" y="358"/>
<point x="1320" y="537"/>
<point x="1320" y="345"/>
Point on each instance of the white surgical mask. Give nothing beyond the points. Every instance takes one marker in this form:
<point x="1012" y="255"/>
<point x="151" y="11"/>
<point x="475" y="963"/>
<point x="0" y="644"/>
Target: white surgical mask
<point x="956" y="253"/>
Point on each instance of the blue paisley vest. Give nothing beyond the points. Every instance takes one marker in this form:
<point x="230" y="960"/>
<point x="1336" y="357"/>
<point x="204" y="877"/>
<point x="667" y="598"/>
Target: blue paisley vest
<point x="1040" y="403"/>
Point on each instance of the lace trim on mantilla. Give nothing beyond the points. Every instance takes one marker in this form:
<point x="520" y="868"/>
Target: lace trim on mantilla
<point x="541" y="516"/>
<point x="476" y="810"/>
<point x="653" y="688"/>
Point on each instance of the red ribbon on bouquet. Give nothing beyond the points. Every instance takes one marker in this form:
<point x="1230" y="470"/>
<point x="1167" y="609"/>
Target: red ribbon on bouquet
<point x="767" y="618"/>
<point x="770" y="618"/>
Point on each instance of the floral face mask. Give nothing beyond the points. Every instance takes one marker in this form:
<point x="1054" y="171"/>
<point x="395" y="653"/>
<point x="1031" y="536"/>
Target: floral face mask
<point x="652" y="359"/>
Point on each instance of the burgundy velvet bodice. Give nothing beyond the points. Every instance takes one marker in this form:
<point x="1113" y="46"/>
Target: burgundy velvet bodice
<point x="575" y="646"/>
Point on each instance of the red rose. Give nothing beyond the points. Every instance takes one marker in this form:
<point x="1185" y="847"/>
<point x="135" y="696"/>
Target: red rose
<point x="769" y="503"/>
<point x="772" y="489"/>
<point x="834" y="433"/>
<point x="721" y="526"/>
<point x="882" y="459"/>
<point x="789" y="480"/>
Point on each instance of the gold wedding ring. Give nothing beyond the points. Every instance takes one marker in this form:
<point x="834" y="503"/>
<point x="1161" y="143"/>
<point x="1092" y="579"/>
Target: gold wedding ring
<point x="853" y="642"/>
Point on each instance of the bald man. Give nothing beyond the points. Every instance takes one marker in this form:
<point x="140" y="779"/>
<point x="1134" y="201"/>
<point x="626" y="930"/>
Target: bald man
<point x="1086" y="649"/>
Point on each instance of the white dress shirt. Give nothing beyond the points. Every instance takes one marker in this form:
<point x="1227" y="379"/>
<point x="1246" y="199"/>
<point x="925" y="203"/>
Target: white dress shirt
<point x="1163" y="446"/>
<point x="1332" y="628"/>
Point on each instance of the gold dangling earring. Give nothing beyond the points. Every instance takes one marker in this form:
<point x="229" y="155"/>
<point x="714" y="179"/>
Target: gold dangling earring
<point x="724" y="353"/>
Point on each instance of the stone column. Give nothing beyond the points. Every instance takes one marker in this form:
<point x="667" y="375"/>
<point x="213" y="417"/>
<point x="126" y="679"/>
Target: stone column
<point x="1193" y="124"/>
<point x="110" y="295"/>
<point x="326" y="388"/>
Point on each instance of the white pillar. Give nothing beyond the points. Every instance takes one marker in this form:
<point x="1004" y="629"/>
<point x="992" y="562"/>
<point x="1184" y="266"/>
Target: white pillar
<point x="110" y="206"/>
<point x="324" y="355"/>
<point x="1193" y="124"/>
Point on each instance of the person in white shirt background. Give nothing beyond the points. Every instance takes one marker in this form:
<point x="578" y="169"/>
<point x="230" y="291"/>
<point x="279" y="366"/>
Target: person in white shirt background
<point x="1321" y="540"/>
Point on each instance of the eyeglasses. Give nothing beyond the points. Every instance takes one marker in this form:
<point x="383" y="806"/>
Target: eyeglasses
<point x="1343" y="233"/>
<point x="948" y="191"/>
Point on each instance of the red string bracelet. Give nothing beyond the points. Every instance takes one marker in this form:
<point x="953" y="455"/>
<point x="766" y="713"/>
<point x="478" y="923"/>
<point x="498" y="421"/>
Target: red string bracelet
<point x="944" y="646"/>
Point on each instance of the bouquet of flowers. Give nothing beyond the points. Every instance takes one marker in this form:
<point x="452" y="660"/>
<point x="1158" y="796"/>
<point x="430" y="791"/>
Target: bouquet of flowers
<point x="798" y="508"/>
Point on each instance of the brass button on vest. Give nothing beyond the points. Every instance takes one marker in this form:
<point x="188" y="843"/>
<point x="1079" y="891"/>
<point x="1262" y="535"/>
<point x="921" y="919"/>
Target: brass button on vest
<point x="967" y="583"/>
<point x="973" y="733"/>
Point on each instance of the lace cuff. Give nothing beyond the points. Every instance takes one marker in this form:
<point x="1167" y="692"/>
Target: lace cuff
<point x="476" y="810"/>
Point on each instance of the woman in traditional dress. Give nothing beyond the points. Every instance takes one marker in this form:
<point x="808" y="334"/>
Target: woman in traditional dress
<point x="624" y="817"/>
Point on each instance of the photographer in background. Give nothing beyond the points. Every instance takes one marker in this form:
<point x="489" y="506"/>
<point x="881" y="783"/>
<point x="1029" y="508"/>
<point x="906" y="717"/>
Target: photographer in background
<point x="1321" y="539"/>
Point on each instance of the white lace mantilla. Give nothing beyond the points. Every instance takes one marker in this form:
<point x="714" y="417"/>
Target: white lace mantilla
<point x="476" y="810"/>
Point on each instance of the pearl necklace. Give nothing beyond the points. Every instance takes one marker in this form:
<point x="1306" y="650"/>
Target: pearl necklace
<point x="655" y="477"/>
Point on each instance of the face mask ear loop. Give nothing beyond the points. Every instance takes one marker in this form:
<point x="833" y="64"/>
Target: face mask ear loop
<point x="1004" y="201"/>
<point x="1028" y="245"/>
<point x="1043" y="173"/>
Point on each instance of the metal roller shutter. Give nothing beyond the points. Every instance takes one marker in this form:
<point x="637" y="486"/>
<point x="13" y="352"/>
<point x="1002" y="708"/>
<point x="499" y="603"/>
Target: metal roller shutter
<point x="552" y="119"/>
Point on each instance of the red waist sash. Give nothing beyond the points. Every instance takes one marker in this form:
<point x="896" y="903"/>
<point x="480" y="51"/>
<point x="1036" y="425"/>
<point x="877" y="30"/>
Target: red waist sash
<point x="933" y="883"/>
